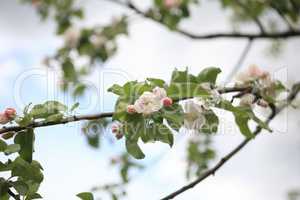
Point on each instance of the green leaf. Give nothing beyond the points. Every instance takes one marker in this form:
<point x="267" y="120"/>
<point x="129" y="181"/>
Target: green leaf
<point x="26" y="141"/>
<point x="34" y="196"/>
<point x="69" y="71"/>
<point x="209" y="75"/>
<point x="21" y="187"/>
<point x="79" y="90"/>
<point x="12" y="148"/>
<point x="242" y="122"/>
<point x="85" y="196"/>
<point x="183" y="77"/>
<point x="54" y="118"/>
<point x="3" y="145"/>
<point x="211" y="122"/>
<point x="27" y="171"/>
<point x="134" y="149"/>
<point x="116" y="89"/>
<point x="174" y="116"/>
<point x="242" y="117"/>
<point x="160" y="132"/>
<point x="156" y="82"/>
<point x="55" y="106"/>
<point x="76" y="105"/>
<point x="178" y="91"/>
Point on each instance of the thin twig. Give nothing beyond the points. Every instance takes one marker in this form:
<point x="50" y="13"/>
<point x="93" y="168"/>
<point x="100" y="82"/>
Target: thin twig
<point x="13" y="195"/>
<point x="212" y="171"/>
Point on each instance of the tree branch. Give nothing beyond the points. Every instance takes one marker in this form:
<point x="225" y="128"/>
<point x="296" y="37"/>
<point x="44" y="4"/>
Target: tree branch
<point x="212" y="171"/>
<point x="63" y="121"/>
<point x="94" y="116"/>
<point x="13" y="195"/>
<point x="235" y="35"/>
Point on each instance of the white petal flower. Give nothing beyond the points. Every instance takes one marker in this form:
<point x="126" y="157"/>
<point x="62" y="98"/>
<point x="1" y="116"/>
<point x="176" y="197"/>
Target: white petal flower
<point x="193" y="114"/>
<point x="72" y="36"/>
<point x="98" y="40"/>
<point x="147" y="103"/>
<point x="159" y="92"/>
<point x="247" y="100"/>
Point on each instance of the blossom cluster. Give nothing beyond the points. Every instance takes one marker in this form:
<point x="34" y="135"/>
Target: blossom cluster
<point x="7" y="116"/>
<point x="262" y="79"/>
<point x="150" y="102"/>
<point x="73" y="34"/>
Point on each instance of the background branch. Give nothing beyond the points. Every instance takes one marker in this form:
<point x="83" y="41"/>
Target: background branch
<point x="212" y="171"/>
<point x="275" y="35"/>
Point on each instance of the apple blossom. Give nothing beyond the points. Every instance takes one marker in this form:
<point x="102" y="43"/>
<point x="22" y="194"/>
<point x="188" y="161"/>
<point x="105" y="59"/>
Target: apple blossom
<point x="131" y="109"/>
<point x="252" y="73"/>
<point x="167" y="101"/>
<point x="10" y="113"/>
<point x="159" y="92"/>
<point x="98" y="40"/>
<point x="147" y="103"/>
<point x="116" y="129"/>
<point x="72" y="36"/>
<point x="193" y="114"/>
<point x="247" y="100"/>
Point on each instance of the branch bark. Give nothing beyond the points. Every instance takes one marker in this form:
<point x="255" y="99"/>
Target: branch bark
<point x="212" y="171"/>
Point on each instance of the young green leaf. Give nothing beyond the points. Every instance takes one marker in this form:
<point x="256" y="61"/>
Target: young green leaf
<point x="134" y="149"/>
<point x="85" y="196"/>
<point x="26" y="141"/>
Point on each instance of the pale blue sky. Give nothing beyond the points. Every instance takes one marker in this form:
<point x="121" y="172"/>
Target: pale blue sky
<point x="265" y="169"/>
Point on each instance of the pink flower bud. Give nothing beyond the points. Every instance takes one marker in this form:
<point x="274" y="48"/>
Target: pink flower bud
<point x="115" y="128"/>
<point x="171" y="3"/>
<point x="10" y="113"/>
<point x="131" y="109"/>
<point x="167" y="101"/>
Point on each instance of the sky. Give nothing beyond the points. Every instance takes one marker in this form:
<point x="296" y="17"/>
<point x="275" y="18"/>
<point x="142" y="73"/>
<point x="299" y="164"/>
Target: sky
<point x="266" y="169"/>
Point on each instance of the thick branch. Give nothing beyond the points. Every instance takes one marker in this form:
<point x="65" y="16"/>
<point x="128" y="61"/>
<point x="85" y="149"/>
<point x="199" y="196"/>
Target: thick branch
<point x="235" y="35"/>
<point x="212" y="171"/>
<point x="95" y="116"/>
<point x="63" y="121"/>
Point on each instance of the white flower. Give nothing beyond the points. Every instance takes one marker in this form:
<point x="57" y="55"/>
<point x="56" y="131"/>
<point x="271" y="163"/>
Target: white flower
<point x="147" y="103"/>
<point x="98" y="40"/>
<point x="252" y="73"/>
<point x="72" y="36"/>
<point x="159" y="92"/>
<point x="193" y="114"/>
<point x="247" y="100"/>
